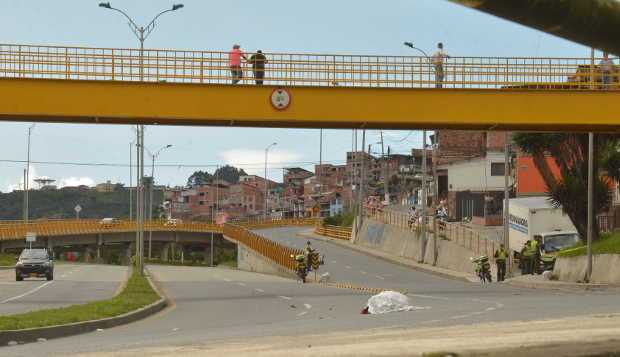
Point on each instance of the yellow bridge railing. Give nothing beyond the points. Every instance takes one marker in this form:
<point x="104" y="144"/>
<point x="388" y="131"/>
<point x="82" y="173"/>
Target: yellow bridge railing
<point x="14" y="230"/>
<point x="294" y="69"/>
<point x="343" y="233"/>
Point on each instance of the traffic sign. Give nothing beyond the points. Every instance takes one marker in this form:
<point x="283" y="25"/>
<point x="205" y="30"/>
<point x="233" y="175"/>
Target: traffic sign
<point x="31" y="237"/>
<point x="78" y="208"/>
<point x="280" y="98"/>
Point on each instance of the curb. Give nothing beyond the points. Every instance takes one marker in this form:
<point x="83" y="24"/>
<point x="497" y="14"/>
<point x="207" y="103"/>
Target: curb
<point x="557" y="285"/>
<point x="7" y="268"/>
<point x="51" y="332"/>
<point x="411" y="265"/>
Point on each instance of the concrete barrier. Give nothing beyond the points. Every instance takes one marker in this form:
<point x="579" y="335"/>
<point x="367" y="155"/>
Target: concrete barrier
<point x="604" y="269"/>
<point x="248" y="260"/>
<point x="402" y="242"/>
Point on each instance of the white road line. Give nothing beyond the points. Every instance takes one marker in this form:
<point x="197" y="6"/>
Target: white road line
<point x="348" y="267"/>
<point x="363" y="272"/>
<point x="26" y="293"/>
<point x="308" y="306"/>
<point x="285" y="297"/>
<point x="333" y="262"/>
<point x="226" y="280"/>
<point x="428" y="297"/>
<point x="259" y="290"/>
<point x="241" y="284"/>
<point x="302" y="313"/>
<point x="379" y="277"/>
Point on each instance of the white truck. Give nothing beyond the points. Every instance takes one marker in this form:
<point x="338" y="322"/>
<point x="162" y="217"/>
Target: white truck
<point x="533" y="217"/>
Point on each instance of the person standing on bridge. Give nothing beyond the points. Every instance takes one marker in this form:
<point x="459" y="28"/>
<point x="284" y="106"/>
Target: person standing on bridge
<point x="438" y="62"/>
<point x="234" y="62"/>
<point x="258" y="62"/>
<point x="606" y="67"/>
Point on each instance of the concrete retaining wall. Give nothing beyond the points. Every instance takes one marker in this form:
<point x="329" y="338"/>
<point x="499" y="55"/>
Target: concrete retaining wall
<point x="248" y="260"/>
<point x="404" y="243"/>
<point x="604" y="269"/>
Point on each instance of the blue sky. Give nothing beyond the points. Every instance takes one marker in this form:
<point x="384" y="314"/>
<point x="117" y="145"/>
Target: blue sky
<point x="318" y="26"/>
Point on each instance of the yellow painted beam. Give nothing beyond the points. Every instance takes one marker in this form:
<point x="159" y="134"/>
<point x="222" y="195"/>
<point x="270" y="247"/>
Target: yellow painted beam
<point x="311" y="107"/>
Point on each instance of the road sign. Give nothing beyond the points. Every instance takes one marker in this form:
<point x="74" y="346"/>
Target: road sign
<point x="316" y="262"/>
<point x="78" y="209"/>
<point x="280" y="98"/>
<point x="31" y="237"/>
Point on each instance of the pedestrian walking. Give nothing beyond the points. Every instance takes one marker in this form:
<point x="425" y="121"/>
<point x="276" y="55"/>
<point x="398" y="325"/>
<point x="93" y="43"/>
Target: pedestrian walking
<point x="606" y="67"/>
<point x="234" y="62"/>
<point x="438" y="62"/>
<point x="500" y="260"/>
<point x="258" y="62"/>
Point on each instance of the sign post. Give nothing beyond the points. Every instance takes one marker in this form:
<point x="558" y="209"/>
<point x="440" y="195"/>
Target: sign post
<point x="31" y="237"/>
<point x="77" y="209"/>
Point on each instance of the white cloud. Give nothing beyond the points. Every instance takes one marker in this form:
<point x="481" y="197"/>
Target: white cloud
<point x="76" y="181"/>
<point x="253" y="161"/>
<point x="20" y="184"/>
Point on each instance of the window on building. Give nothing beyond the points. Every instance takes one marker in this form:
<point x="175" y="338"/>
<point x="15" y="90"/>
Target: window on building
<point x="202" y="203"/>
<point x="201" y="194"/>
<point x="497" y="169"/>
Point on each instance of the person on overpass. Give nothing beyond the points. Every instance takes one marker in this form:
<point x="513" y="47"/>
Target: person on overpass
<point x="258" y="62"/>
<point x="438" y="62"/>
<point x="234" y="62"/>
<point x="500" y="259"/>
<point x="606" y="67"/>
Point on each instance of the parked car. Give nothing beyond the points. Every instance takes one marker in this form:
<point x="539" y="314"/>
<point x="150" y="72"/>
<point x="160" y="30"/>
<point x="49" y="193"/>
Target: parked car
<point x="34" y="263"/>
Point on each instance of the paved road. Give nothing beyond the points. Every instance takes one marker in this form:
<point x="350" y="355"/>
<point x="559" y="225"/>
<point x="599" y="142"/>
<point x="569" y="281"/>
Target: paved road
<point x="72" y="284"/>
<point x="212" y="304"/>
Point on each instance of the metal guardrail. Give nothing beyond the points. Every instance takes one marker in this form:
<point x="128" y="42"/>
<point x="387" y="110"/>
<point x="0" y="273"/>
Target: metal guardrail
<point x="295" y="69"/>
<point x="337" y="232"/>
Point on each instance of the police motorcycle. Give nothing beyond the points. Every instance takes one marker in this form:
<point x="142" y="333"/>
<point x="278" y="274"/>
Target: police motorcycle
<point x="300" y="266"/>
<point x="482" y="268"/>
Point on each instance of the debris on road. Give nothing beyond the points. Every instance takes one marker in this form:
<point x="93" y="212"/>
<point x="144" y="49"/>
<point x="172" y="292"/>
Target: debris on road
<point x="293" y="307"/>
<point x="389" y="301"/>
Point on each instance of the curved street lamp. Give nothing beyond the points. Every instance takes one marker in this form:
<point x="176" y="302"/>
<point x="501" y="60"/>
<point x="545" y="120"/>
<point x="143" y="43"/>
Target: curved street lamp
<point x="266" y="180"/>
<point x="153" y="158"/>
<point x="142" y="33"/>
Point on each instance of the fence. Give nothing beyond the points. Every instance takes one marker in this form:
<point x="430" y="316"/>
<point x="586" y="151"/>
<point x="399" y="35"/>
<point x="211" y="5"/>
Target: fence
<point x="277" y="253"/>
<point x="337" y="232"/>
<point x="295" y="69"/>
<point x="454" y="232"/>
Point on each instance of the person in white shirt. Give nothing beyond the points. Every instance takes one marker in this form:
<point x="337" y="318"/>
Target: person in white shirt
<point x="606" y="67"/>
<point x="438" y="61"/>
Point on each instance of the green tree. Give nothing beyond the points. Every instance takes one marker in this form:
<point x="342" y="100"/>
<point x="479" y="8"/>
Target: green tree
<point x="570" y="153"/>
<point x="229" y="173"/>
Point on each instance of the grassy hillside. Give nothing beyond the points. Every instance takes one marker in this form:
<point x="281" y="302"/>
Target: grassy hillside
<point x="61" y="203"/>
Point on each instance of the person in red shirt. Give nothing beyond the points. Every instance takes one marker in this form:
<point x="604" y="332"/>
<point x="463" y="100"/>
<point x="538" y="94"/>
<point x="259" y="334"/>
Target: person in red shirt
<point x="234" y="62"/>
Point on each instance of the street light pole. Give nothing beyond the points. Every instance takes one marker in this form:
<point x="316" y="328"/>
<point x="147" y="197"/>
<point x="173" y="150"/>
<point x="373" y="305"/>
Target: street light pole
<point x="153" y="157"/>
<point x="142" y="33"/>
<point x="266" y="181"/>
<point x="27" y="180"/>
<point x="590" y="205"/>
<point x="424" y="211"/>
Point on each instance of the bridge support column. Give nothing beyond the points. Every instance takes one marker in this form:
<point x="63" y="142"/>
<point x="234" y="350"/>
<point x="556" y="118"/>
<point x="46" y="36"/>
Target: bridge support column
<point x="99" y="246"/>
<point x="129" y="252"/>
<point x="88" y="251"/>
<point x="207" y="254"/>
<point x="165" y="250"/>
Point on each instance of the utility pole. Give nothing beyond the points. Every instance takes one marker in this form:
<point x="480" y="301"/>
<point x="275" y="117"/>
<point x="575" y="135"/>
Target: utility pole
<point x="130" y="182"/>
<point x="435" y="196"/>
<point x="320" y="170"/>
<point x="213" y="215"/>
<point x="424" y="189"/>
<point x="507" y="151"/>
<point x="266" y="180"/>
<point x="386" y="193"/>
<point x="360" y="192"/>
<point x="590" y="204"/>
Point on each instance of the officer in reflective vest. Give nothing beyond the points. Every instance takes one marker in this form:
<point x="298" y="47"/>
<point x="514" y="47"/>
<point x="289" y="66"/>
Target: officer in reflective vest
<point x="535" y="249"/>
<point x="500" y="259"/>
<point x="526" y="258"/>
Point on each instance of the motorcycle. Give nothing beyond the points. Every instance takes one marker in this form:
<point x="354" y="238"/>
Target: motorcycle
<point x="483" y="268"/>
<point x="301" y="267"/>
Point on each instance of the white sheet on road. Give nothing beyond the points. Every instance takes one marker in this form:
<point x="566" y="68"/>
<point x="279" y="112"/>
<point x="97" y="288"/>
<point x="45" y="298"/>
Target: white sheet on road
<point x="390" y="301"/>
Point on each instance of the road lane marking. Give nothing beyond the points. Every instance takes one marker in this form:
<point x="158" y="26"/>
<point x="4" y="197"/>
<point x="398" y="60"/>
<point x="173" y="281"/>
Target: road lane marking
<point x="259" y="290"/>
<point x="348" y="267"/>
<point x="302" y="313"/>
<point x="26" y="293"/>
<point x="285" y="297"/>
<point x="363" y="272"/>
<point x="333" y="262"/>
<point x="241" y="284"/>
<point x="428" y="297"/>
<point x="379" y="277"/>
<point x="308" y="306"/>
<point x="226" y="280"/>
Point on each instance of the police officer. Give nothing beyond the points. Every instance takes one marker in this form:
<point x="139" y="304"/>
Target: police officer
<point x="526" y="258"/>
<point x="500" y="259"/>
<point x="535" y="248"/>
<point x="309" y="253"/>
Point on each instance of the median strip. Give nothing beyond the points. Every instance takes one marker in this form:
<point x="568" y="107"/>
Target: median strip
<point x="137" y="300"/>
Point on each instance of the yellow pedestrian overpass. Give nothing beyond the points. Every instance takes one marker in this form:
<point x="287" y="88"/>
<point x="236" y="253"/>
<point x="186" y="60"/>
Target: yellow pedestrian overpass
<point x="175" y="87"/>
